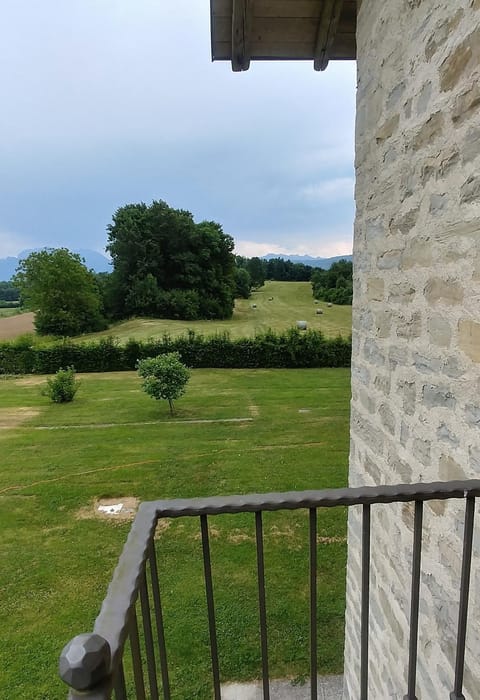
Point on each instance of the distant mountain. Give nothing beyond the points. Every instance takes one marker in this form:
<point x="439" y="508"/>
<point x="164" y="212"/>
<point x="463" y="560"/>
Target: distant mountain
<point x="324" y="263"/>
<point x="93" y="260"/>
<point x="7" y="268"/>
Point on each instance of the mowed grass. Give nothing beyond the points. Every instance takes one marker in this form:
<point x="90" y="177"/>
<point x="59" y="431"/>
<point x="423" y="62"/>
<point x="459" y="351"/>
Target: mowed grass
<point x="292" y="302"/>
<point x="114" y="441"/>
<point x="6" y="313"/>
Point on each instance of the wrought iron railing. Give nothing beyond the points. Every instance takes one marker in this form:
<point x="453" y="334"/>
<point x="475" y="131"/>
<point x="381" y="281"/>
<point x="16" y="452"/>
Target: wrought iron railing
<point x="92" y="664"/>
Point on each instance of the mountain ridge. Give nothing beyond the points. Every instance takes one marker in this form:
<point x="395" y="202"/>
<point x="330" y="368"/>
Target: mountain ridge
<point x="100" y="263"/>
<point x="324" y="263"/>
<point x="93" y="260"/>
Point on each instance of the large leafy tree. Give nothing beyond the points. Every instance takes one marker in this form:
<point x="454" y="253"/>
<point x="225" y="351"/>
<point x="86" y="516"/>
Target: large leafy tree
<point x="256" y="270"/>
<point x="243" y="283"/>
<point x="56" y="284"/>
<point x="164" y="264"/>
<point x="335" y="284"/>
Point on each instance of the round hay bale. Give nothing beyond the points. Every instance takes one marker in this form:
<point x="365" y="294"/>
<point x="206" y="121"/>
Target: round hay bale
<point x="302" y="325"/>
<point x="319" y="311"/>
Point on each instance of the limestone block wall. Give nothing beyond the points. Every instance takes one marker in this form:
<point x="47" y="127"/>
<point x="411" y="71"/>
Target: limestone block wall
<point x="416" y="329"/>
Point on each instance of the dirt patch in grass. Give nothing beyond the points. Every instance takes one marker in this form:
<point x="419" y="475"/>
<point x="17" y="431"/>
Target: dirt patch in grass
<point x="287" y="532"/>
<point x="107" y="509"/>
<point x="336" y="539"/>
<point x="162" y="526"/>
<point x="30" y="381"/>
<point x="13" y="326"/>
<point x="12" y="417"/>
<point x="237" y="536"/>
<point x="213" y="532"/>
<point x="290" y="446"/>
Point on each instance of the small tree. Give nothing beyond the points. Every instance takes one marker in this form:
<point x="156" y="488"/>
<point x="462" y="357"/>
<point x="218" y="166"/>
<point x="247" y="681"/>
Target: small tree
<point x="164" y="377"/>
<point x="63" y="386"/>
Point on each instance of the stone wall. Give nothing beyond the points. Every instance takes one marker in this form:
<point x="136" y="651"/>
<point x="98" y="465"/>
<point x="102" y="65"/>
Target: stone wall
<point x="415" y="374"/>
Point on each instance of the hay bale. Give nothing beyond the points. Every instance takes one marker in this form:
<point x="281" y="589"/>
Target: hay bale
<point x="302" y="325"/>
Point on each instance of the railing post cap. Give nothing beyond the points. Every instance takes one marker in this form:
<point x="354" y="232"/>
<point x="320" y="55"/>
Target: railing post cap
<point x="85" y="661"/>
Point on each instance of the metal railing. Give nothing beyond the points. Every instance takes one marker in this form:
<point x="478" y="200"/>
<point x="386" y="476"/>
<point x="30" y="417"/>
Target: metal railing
<point x="92" y="664"/>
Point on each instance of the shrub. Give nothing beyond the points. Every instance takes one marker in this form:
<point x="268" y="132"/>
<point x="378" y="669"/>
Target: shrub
<point x="288" y="349"/>
<point x="63" y="386"/>
<point x="164" y="377"/>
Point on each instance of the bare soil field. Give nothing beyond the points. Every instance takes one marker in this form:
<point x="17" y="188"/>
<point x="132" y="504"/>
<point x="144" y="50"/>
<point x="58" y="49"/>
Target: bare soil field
<point x="13" y="326"/>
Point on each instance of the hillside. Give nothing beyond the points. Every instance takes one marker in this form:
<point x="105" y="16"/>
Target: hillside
<point x="278" y="305"/>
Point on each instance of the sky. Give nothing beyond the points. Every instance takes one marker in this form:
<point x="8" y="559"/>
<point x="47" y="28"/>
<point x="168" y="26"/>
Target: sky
<point x="112" y="102"/>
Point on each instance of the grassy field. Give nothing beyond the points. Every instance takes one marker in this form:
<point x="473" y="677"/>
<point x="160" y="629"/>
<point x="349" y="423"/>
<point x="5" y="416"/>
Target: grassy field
<point x="279" y="305"/>
<point x="292" y="301"/>
<point x="114" y="441"/>
<point x="5" y="313"/>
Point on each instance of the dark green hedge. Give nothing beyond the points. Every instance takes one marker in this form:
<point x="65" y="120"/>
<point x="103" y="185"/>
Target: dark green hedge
<point x="292" y="348"/>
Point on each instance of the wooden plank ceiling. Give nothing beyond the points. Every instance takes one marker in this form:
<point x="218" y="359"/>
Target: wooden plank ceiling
<point x="262" y="30"/>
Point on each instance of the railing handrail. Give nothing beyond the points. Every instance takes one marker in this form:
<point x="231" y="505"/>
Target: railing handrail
<point x="326" y="498"/>
<point x="113" y="620"/>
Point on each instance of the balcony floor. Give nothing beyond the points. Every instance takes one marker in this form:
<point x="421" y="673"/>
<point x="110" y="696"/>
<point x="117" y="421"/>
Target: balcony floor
<point x="329" y="688"/>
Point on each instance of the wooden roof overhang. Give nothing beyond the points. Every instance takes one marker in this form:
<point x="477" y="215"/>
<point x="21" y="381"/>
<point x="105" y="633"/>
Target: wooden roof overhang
<point x="264" y="30"/>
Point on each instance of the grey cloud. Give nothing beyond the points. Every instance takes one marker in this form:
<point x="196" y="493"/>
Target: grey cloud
<point x="112" y="101"/>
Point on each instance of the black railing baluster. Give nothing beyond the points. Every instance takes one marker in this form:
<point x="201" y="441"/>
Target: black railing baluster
<point x="157" y="604"/>
<point x="119" y="685"/>
<point x="457" y="693"/>
<point x="136" y="657"/>
<point x="262" y="603"/>
<point x="365" y="602"/>
<point x="415" y="599"/>
<point x="91" y="657"/>
<point x="210" y="606"/>
<point x="313" y="603"/>
<point x="147" y="631"/>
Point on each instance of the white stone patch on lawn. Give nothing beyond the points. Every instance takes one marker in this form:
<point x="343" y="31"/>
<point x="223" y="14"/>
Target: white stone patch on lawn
<point x="114" y="509"/>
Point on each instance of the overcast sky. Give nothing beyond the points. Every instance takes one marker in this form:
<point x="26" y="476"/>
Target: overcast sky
<point x="109" y="102"/>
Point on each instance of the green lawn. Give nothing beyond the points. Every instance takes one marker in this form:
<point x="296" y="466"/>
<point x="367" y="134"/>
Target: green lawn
<point x="55" y="568"/>
<point x="5" y="313"/>
<point x="292" y="302"/>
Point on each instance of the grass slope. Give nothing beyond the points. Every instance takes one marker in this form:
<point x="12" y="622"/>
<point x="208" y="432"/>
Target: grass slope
<point x="55" y="568"/>
<point x="292" y="301"/>
<point x="5" y="313"/>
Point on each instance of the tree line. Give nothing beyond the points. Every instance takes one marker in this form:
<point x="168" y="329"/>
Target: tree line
<point x="251" y="273"/>
<point x="9" y="295"/>
<point x="164" y="265"/>
<point x="334" y="285"/>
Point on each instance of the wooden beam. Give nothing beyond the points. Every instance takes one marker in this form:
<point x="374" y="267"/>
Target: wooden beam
<point x="327" y="28"/>
<point x="241" y="33"/>
<point x="287" y="8"/>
